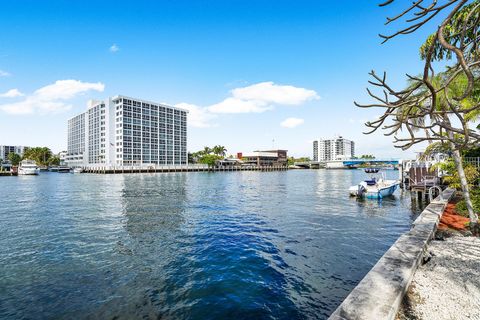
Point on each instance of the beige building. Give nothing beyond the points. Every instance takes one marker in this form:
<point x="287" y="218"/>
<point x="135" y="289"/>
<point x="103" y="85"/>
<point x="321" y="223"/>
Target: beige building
<point x="265" y="158"/>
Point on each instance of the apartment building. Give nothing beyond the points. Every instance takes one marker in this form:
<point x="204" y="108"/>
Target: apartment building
<point x="124" y="131"/>
<point x="5" y="150"/>
<point x="333" y="149"/>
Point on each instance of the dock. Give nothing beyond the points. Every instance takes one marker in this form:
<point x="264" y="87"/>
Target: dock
<point x="177" y="168"/>
<point x="420" y="179"/>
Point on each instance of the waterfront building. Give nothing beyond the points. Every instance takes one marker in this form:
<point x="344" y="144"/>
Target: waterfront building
<point x="228" y="162"/>
<point x="124" y="131"/>
<point x="5" y="150"/>
<point x="333" y="149"/>
<point x="62" y="155"/>
<point x="76" y="140"/>
<point x="265" y="158"/>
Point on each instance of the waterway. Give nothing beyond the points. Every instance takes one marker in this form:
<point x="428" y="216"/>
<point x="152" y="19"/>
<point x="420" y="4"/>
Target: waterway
<point x="243" y="245"/>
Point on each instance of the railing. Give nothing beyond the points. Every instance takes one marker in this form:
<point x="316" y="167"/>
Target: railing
<point x="473" y="161"/>
<point x="433" y="192"/>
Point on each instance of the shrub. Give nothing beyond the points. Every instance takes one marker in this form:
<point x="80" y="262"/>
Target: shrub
<point x="453" y="179"/>
<point x="461" y="206"/>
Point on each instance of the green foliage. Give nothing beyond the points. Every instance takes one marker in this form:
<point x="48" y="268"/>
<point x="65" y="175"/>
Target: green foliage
<point x="455" y="88"/>
<point x="208" y="155"/>
<point x="367" y="156"/>
<point x="292" y="160"/>
<point x="436" y="147"/>
<point x="469" y="15"/>
<point x="41" y="155"/>
<point x="461" y="206"/>
<point x="14" y="158"/>
<point x="472" y="152"/>
<point x="210" y="159"/>
<point x="54" y="161"/>
<point x="219" y="150"/>
<point x="191" y="158"/>
<point x="206" y="150"/>
<point x="453" y="179"/>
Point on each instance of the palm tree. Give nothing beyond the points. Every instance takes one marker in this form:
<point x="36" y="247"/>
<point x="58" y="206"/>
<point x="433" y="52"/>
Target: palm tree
<point x="206" y="150"/>
<point x="41" y="155"/>
<point x="219" y="150"/>
<point x="14" y="158"/>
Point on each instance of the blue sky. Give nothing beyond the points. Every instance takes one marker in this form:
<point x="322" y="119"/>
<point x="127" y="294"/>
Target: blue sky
<point x="242" y="67"/>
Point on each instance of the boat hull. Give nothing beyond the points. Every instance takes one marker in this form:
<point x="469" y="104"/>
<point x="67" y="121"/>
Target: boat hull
<point x="382" y="192"/>
<point x="28" y="171"/>
<point x="376" y="191"/>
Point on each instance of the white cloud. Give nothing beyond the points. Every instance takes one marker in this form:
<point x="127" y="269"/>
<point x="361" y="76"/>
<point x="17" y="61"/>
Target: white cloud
<point x="12" y="93"/>
<point x="261" y="97"/>
<point x="256" y="98"/>
<point x="114" y="48"/>
<point x="67" y="89"/>
<point x="234" y="105"/>
<point x="4" y="73"/>
<point x="197" y="117"/>
<point x="291" y="122"/>
<point x="270" y="92"/>
<point x="51" y="98"/>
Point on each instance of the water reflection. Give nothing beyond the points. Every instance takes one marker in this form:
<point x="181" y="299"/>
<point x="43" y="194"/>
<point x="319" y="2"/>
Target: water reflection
<point x="285" y="245"/>
<point x="240" y="267"/>
<point x="154" y="206"/>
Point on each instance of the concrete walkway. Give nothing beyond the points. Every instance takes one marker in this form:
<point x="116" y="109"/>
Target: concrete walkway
<point x="448" y="286"/>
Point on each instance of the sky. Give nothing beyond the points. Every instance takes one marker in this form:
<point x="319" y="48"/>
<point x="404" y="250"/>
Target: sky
<point x="254" y="74"/>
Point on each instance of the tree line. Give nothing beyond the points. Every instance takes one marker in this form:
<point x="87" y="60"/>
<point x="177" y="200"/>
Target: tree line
<point x="43" y="156"/>
<point x="208" y="155"/>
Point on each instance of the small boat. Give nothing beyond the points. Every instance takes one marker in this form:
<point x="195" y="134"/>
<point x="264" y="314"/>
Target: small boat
<point x="371" y="170"/>
<point x="374" y="188"/>
<point x="28" y="167"/>
<point x="59" y="169"/>
<point x="76" y="170"/>
<point x="63" y="169"/>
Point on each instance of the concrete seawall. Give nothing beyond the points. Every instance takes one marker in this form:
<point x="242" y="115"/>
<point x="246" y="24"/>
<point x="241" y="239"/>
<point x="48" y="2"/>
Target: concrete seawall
<point x="179" y="168"/>
<point x="380" y="293"/>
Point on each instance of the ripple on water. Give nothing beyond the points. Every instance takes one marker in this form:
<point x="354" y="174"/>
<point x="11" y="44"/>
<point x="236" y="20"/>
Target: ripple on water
<point x="279" y="245"/>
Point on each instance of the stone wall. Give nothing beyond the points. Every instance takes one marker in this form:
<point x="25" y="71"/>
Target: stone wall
<point x="380" y="293"/>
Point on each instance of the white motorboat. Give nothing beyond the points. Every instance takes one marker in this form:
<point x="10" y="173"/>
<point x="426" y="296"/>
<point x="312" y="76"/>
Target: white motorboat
<point x="374" y="188"/>
<point x="77" y="170"/>
<point x="28" y="167"/>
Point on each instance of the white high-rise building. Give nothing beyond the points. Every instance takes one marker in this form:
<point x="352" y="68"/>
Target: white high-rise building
<point x="333" y="149"/>
<point x="123" y="131"/>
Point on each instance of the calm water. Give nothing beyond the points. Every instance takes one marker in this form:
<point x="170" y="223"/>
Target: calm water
<point x="243" y="245"/>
